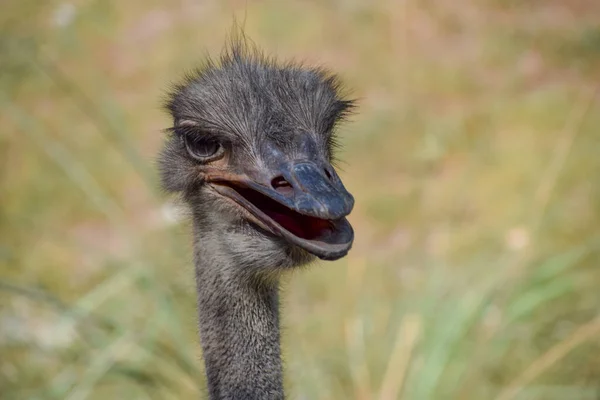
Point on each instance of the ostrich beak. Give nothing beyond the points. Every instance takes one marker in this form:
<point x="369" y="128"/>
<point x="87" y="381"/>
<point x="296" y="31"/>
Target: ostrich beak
<point x="304" y="203"/>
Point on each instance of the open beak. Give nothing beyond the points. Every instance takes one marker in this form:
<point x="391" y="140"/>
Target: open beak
<point x="305" y="204"/>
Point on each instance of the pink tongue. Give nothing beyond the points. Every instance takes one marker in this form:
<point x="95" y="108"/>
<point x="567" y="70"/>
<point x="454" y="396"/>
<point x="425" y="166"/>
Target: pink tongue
<point x="288" y="223"/>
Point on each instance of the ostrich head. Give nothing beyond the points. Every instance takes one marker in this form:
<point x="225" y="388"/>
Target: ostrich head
<point x="251" y="152"/>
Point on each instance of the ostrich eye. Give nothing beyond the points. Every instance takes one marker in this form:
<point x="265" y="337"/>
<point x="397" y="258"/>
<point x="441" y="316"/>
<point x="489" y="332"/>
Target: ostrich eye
<point x="203" y="150"/>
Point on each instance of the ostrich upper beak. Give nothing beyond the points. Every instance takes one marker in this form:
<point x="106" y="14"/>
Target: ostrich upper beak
<point x="304" y="203"/>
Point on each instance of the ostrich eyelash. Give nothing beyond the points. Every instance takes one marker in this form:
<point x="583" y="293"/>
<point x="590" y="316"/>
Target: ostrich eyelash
<point x="196" y="132"/>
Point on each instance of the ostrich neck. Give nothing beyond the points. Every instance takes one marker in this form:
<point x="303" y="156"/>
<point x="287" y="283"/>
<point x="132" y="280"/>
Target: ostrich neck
<point x="239" y="327"/>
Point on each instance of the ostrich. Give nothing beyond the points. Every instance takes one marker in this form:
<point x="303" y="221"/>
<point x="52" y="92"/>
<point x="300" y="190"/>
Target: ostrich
<point x="250" y="153"/>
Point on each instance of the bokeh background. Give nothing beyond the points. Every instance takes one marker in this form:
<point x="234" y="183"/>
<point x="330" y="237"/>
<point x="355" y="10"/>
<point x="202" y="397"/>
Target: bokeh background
<point x="474" y="159"/>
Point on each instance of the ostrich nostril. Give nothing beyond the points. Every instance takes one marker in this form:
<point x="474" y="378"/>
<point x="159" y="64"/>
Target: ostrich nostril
<point x="282" y="186"/>
<point x="327" y="173"/>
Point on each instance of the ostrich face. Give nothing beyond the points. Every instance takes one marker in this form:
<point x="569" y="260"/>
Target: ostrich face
<point x="251" y="152"/>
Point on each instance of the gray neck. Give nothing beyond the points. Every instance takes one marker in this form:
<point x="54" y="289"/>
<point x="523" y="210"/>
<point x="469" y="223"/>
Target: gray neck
<point x="239" y="326"/>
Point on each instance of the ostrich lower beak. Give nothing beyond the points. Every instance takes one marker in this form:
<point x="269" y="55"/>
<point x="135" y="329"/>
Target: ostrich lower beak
<point x="305" y="204"/>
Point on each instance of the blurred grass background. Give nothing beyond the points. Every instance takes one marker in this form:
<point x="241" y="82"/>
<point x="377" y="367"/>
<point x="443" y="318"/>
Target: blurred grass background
<point x="474" y="160"/>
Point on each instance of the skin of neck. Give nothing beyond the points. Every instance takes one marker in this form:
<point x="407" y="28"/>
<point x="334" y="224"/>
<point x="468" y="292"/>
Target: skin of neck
<point x="238" y="307"/>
